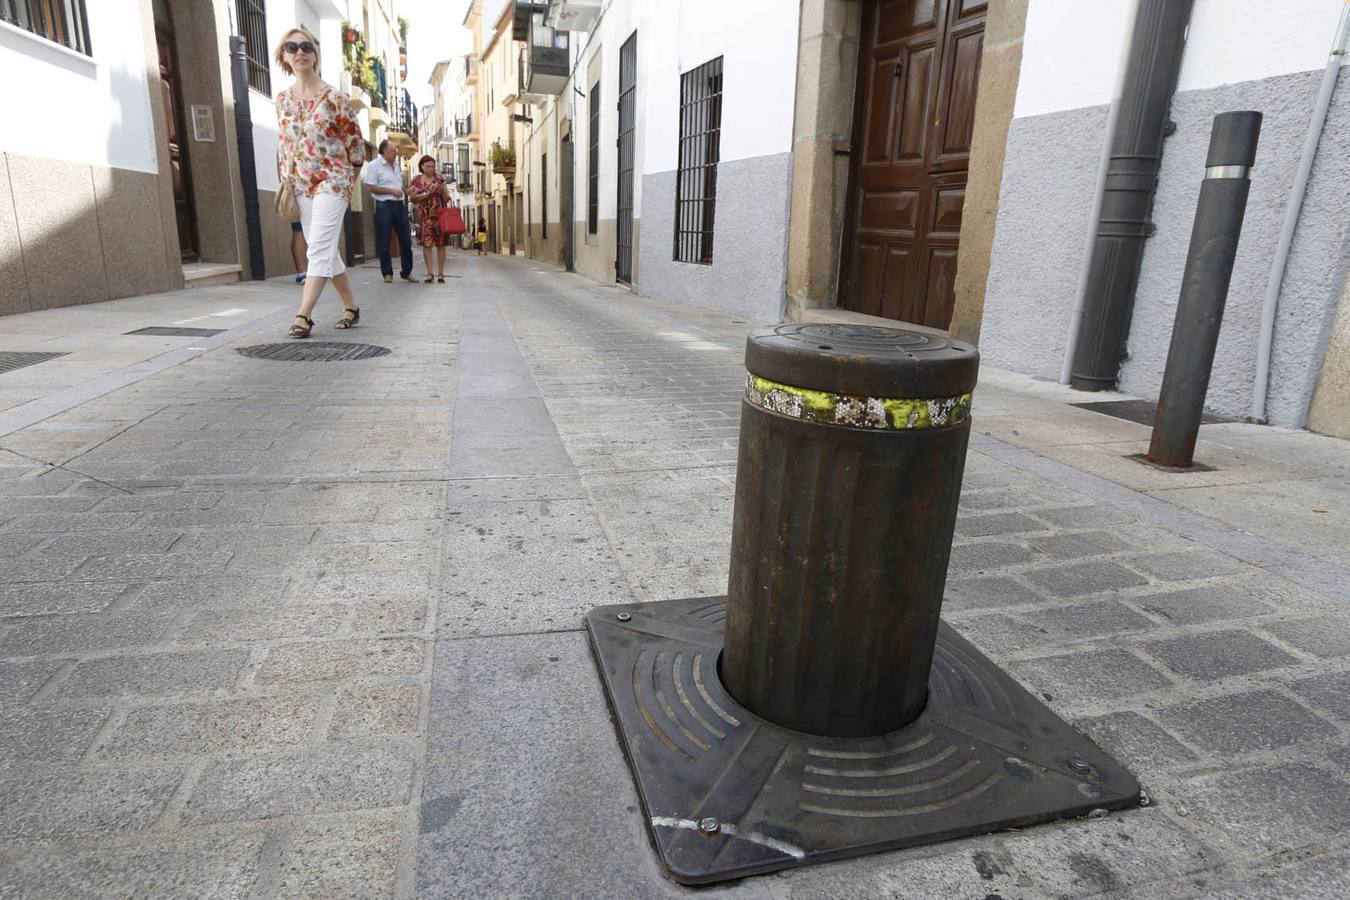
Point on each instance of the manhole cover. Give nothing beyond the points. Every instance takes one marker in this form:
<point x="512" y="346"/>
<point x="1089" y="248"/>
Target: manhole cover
<point x="167" y="331"/>
<point x="17" y="359"/>
<point x="314" y="351"/>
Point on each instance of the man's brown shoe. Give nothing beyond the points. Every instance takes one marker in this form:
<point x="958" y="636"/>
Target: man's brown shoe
<point x="389" y="279"/>
<point x="409" y="279"/>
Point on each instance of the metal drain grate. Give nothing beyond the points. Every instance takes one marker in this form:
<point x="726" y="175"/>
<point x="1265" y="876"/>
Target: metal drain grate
<point x="1141" y="412"/>
<point x="18" y="359"/>
<point x="314" y="351"/>
<point x="167" y="331"/>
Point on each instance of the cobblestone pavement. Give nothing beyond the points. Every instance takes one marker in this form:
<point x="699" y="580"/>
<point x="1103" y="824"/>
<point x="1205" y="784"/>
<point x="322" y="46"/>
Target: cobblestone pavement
<point x="314" y="629"/>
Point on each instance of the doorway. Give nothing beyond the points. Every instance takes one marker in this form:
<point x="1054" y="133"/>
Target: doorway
<point x="914" y="113"/>
<point x="623" y="256"/>
<point x="171" y="91"/>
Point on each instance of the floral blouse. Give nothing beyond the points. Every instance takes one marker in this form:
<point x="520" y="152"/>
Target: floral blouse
<point x="319" y="143"/>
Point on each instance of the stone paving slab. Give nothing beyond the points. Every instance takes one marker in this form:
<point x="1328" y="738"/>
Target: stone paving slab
<point x="269" y="632"/>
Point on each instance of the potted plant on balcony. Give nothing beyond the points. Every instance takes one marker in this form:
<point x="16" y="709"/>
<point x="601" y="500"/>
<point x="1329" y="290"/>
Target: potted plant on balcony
<point x="503" y="159"/>
<point x="358" y="65"/>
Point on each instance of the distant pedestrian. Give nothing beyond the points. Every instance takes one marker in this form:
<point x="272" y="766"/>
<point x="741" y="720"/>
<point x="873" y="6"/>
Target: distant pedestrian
<point x="319" y="156"/>
<point x="482" y="235"/>
<point x="385" y="180"/>
<point x="430" y="194"/>
<point x="298" y="251"/>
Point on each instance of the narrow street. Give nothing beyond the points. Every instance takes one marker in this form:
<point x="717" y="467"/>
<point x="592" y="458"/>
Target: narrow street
<point x="274" y="628"/>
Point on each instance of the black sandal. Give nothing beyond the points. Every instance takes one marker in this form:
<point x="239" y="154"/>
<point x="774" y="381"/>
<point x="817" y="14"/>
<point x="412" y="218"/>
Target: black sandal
<point x="302" y="331"/>
<point x="429" y="280"/>
<point x="349" y="318"/>
<point x="440" y="279"/>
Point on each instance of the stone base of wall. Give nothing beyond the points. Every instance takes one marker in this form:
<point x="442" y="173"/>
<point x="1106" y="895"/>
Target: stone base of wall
<point x="73" y="233"/>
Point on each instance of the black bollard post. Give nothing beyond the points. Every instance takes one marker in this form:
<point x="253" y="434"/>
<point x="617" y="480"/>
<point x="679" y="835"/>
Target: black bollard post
<point x="1204" y="287"/>
<point x="248" y="174"/>
<point x="822" y="709"/>
<point x="841" y="535"/>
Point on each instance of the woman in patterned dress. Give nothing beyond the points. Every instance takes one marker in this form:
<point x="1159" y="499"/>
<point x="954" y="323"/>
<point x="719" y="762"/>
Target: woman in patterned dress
<point x="430" y="194"/>
<point x="320" y="152"/>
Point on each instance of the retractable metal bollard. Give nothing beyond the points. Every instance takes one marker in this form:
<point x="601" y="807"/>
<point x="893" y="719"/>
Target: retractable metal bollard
<point x="1204" y="287"/>
<point x="822" y="709"/>
<point x="851" y="453"/>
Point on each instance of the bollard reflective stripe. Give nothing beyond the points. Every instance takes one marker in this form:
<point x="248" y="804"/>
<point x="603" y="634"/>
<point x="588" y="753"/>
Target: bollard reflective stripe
<point x="851" y="410"/>
<point x="1214" y="172"/>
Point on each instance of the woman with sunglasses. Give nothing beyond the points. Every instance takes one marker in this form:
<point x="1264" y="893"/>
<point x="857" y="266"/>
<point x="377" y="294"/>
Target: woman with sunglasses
<point x="320" y="152"/>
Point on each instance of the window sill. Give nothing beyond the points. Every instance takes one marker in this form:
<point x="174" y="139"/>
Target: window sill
<point x="37" y="46"/>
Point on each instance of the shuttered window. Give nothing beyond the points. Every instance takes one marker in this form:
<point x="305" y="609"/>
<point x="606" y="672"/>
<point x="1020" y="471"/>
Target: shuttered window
<point x="253" y="28"/>
<point x="60" y="21"/>
<point x="696" y="180"/>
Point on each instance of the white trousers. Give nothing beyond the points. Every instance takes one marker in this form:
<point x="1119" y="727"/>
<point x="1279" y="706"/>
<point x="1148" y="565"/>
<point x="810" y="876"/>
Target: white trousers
<point x="321" y="220"/>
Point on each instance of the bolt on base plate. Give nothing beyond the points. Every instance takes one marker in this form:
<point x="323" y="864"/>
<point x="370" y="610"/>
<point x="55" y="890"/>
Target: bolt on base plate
<point x="728" y="794"/>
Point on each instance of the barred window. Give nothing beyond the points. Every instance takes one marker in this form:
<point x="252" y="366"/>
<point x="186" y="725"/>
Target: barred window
<point x="61" y="21"/>
<point x="253" y="28"/>
<point x="696" y="180"/>
<point x="593" y="165"/>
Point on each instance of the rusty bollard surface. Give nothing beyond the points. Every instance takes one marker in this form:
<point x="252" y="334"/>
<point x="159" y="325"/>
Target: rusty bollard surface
<point x="852" y="445"/>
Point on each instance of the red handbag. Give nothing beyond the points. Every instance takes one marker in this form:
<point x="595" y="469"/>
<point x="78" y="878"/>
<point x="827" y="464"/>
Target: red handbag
<point x="451" y="222"/>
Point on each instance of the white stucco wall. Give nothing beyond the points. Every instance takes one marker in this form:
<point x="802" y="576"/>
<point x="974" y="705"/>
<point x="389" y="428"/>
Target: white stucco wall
<point x="59" y="104"/>
<point x="1071" y="49"/>
<point x="757" y="40"/>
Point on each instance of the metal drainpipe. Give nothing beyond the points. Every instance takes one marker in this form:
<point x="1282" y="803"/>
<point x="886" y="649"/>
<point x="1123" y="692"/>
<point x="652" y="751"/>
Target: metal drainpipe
<point x="1131" y="181"/>
<point x="1112" y="115"/>
<point x="248" y="174"/>
<point x="1316" y="124"/>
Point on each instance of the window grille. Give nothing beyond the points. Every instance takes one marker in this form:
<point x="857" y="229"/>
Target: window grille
<point x="543" y="203"/>
<point x="60" y="21"/>
<point x="696" y="181"/>
<point x="593" y="164"/>
<point x="253" y="28"/>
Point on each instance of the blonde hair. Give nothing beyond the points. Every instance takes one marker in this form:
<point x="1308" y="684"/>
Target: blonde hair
<point x="280" y="54"/>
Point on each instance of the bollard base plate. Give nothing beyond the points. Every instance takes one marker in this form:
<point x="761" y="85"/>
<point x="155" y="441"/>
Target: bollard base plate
<point x="728" y="794"/>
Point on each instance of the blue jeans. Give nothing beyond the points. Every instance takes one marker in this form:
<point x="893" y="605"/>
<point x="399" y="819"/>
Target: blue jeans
<point x="393" y="214"/>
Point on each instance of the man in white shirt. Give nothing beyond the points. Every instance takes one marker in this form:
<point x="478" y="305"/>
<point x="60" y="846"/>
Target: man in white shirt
<point x="385" y="181"/>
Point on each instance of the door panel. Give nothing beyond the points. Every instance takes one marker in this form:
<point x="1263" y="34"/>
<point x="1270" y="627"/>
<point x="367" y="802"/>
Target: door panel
<point x="893" y="210"/>
<point x="961" y="71"/>
<point x="918" y="67"/>
<point x="897" y="21"/>
<point x="918" y="78"/>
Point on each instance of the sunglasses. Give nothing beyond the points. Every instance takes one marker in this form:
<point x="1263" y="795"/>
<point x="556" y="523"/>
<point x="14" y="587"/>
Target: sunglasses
<point x="293" y="47"/>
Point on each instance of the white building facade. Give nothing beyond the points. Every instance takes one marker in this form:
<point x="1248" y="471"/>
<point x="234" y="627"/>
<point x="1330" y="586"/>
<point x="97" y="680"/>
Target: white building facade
<point x="645" y="82"/>
<point x="83" y="153"/>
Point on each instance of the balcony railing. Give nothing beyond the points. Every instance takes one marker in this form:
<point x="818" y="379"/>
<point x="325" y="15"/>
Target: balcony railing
<point x="464" y="126"/>
<point x="379" y="97"/>
<point x="544" y="61"/>
<point x="405" y="114"/>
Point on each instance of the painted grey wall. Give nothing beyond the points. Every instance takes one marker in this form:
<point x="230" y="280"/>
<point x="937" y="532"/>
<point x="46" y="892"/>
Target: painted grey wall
<point x="1049" y="173"/>
<point x="749" y="268"/>
<point x="1047" y="189"/>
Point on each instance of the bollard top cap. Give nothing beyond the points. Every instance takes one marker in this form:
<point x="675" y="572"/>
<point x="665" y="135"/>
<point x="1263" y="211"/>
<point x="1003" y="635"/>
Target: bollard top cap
<point x="863" y="360"/>
<point x="1233" y="139"/>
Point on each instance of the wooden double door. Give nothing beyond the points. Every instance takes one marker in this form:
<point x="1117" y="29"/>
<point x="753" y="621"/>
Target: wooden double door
<point x="918" y="66"/>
